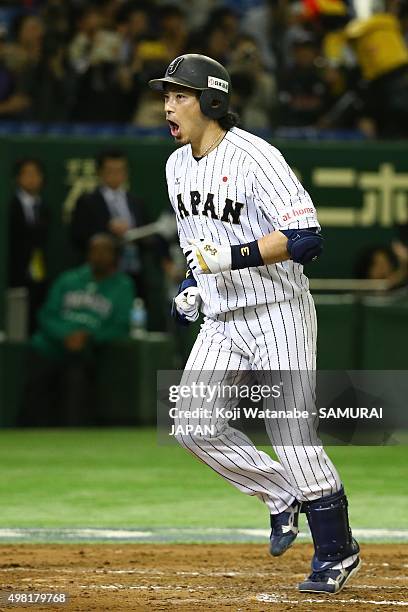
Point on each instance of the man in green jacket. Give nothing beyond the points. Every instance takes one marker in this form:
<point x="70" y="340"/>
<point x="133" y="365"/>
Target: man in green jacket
<point x="86" y="307"/>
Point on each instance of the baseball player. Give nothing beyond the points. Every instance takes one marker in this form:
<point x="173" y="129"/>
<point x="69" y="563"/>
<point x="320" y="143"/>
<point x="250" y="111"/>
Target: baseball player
<point x="247" y="227"/>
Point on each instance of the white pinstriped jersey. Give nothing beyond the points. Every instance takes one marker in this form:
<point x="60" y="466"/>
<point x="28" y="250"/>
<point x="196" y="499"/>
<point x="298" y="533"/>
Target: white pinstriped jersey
<point x="260" y="318"/>
<point x="241" y="191"/>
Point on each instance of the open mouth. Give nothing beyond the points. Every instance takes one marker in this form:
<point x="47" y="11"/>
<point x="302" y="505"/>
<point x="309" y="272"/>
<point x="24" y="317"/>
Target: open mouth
<point x="174" y="128"/>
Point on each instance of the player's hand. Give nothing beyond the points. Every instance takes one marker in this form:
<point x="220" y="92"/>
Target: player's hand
<point x="186" y="305"/>
<point x="205" y="257"/>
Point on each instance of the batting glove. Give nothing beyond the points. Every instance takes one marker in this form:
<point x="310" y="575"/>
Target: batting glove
<point x="186" y="305"/>
<point x="205" y="257"/>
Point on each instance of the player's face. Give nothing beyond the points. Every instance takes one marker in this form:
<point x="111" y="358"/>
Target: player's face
<point x="183" y="114"/>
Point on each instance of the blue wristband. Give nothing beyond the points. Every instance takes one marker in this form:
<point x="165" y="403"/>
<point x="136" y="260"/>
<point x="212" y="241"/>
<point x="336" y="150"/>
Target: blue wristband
<point x="246" y="256"/>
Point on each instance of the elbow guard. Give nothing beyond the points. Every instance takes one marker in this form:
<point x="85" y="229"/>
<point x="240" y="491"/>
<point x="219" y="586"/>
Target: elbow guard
<point x="304" y="245"/>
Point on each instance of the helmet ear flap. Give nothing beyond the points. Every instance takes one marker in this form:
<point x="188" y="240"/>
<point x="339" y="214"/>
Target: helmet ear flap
<point x="213" y="103"/>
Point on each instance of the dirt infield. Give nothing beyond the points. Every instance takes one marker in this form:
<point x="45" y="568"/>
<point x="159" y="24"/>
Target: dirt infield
<point x="234" y="577"/>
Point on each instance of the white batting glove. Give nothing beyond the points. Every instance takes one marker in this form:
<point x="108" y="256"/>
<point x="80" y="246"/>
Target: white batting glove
<point x="205" y="257"/>
<point x="187" y="304"/>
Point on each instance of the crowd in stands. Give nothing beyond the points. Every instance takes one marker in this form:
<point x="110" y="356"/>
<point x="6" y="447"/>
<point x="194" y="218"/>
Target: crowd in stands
<point x="294" y="63"/>
<point x="73" y="317"/>
<point x="109" y="209"/>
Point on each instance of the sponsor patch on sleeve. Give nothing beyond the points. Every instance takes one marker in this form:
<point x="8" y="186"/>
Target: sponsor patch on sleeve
<point x="216" y="83"/>
<point x="296" y="214"/>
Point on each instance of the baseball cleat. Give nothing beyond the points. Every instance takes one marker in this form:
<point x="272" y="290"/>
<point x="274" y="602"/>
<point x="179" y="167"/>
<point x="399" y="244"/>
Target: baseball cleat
<point x="284" y="529"/>
<point x="329" y="580"/>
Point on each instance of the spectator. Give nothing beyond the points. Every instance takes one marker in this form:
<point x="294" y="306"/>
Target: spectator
<point x="28" y="46"/>
<point x="384" y="263"/>
<point x="150" y="56"/>
<point x="137" y="55"/>
<point x="94" y="54"/>
<point x="6" y="75"/>
<point x="132" y="24"/>
<point x="303" y="90"/>
<point x="149" y="110"/>
<point x="109" y="10"/>
<point x="267" y="23"/>
<point x="403" y="19"/>
<point x="382" y="55"/>
<point x="227" y="20"/>
<point x="56" y="17"/>
<point x="40" y="71"/>
<point x="254" y="91"/>
<point x="86" y="308"/>
<point x="50" y="85"/>
<point x="197" y="11"/>
<point x="218" y="35"/>
<point x="13" y="102"/>
<point x="112" y="208"/>
<point x="212" y="42"/>
<point x="173" y="30"/>
<point x="27" y="234"/>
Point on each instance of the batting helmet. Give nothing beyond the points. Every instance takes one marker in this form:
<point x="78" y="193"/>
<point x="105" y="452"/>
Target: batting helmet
<point x="203" y="74"/>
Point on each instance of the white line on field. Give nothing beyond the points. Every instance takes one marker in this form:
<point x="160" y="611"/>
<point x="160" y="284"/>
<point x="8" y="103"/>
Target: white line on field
<point x="265" y="597"/>
<point x="169" y="535"/>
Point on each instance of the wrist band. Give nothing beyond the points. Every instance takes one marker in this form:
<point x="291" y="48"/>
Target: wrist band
<point x="246" y="256"/>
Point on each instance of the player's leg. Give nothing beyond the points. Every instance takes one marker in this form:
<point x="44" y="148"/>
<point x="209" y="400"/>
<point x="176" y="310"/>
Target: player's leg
<point x="285" y="338"/>
<point x="215" y="359"/>
<point x="336" y="557"/>
<point x="300" y="451"/>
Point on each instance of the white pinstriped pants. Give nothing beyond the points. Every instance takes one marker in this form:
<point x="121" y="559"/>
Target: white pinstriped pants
<point x="270" y="337"/>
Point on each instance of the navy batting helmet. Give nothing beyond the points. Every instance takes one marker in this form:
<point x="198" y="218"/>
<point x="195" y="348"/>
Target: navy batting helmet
<point x="203" y="74"/>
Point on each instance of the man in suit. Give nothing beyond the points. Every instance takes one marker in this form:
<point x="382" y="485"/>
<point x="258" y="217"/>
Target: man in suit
<point x="112" y="208"/>
<point x="27" y="234"/>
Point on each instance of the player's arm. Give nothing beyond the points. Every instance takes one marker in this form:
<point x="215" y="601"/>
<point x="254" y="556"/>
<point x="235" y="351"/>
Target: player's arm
<point x="273" y="248"/>
<point x="300" y="245"/>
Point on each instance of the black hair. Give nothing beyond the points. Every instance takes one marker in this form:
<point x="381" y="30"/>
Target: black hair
<point x="18" y="22"/>
<point x="85" y="10"/>
<point x="218" y="14"/>
<point x="170" y="10"/>
<point x="229" y="121"/>
<point x="366" y="257"/>
<point x="24" y="161"/>
<point x="116" y="243"/>
<point x="109" y="154"/>
<point x="128" y="8"/>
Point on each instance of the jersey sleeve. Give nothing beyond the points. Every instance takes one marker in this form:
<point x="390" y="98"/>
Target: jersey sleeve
<point x="279" y="194"/>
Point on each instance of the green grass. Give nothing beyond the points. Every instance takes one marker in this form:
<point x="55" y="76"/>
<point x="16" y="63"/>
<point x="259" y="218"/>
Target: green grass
<point x="122" y="478"/>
